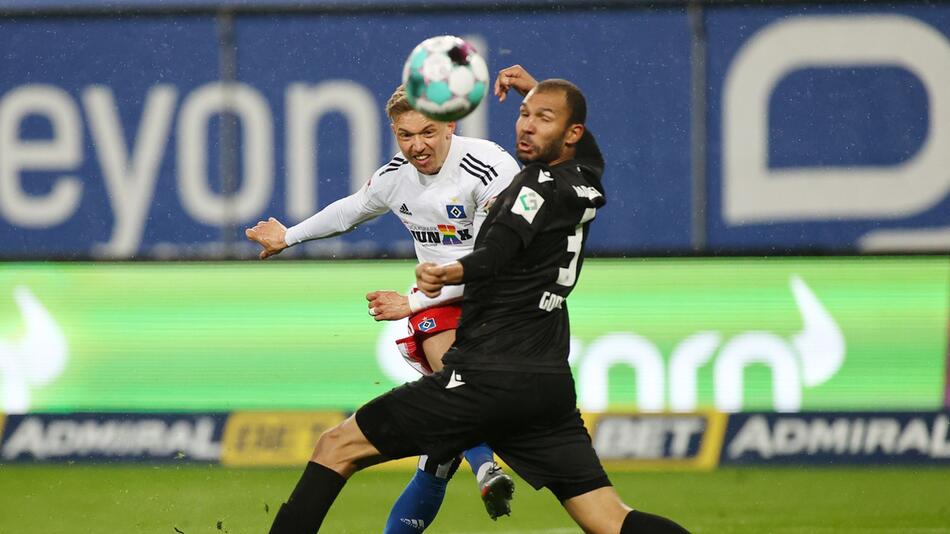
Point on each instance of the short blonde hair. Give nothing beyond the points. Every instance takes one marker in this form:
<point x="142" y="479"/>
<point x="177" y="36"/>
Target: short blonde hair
<point x="398" y="104"/>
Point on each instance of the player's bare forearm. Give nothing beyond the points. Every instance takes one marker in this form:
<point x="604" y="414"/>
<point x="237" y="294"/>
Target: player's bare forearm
<point x="388" y="305"/>
<point x="269" y="234"/>
<point x="431" y="278"/>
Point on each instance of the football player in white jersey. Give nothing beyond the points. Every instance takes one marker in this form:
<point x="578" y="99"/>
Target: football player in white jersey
<point x="440" y="186"/>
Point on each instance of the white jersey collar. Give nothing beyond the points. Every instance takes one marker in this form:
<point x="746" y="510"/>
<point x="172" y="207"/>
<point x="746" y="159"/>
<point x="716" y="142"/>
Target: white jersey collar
<point x="451" y="161"/>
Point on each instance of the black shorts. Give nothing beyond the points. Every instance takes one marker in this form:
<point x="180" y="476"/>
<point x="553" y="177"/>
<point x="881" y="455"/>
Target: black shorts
<point x="529" y="419"/>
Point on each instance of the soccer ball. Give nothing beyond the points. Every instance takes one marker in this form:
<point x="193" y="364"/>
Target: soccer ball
<point x="445" y="78"/>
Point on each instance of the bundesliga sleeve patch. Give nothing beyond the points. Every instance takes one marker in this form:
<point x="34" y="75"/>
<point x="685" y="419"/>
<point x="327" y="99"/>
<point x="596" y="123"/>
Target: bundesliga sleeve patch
<point x="527" y="204"/>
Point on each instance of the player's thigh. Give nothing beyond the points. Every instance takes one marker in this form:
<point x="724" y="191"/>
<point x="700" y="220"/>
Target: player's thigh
<point x="428" y="416"/>
<point x="599" y="511"/>
<point x="345" y="449"/>
<point x="434" y="347"/>
<point x="546" y="441"/>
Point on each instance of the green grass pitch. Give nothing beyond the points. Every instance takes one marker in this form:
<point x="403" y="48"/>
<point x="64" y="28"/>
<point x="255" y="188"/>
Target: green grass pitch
<point x="216" y="500"/>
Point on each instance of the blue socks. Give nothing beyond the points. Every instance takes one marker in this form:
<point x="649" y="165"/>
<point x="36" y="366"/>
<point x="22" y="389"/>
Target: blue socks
<point x="418" y="505"/>
<point x="477" y="457"/>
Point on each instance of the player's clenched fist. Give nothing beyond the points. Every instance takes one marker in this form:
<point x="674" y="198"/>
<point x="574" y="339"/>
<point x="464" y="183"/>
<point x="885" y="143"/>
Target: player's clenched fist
<point x="269" y="234"/>
<point x="513" y="77"/>
<point x="430" y="278"/>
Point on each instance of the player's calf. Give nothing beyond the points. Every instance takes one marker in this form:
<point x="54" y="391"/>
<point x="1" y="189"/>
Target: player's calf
<point x="304" y="511"/>
<point x="601" y="511"/>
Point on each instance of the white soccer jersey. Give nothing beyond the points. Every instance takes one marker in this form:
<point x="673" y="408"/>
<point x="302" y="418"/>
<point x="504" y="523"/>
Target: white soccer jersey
<point x="442" y="212"/>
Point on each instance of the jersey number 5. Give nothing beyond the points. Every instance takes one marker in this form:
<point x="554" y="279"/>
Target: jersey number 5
<point x="567" y="276"/>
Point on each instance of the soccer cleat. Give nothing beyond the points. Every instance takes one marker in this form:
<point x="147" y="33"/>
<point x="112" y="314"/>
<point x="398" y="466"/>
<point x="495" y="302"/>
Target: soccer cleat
<point x="497" y="490"/>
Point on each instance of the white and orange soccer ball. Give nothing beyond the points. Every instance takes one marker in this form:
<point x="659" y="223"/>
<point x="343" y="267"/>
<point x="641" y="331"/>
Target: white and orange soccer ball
<point x="445" y="78"/>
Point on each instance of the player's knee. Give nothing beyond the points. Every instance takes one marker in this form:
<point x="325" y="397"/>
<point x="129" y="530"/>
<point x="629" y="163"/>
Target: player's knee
<point x="611" y="519"/>
<point x="330" y="450"/>
<point x="608" y="524"/>
<point x="598" y="511"/>
<point x="345" y="449"/>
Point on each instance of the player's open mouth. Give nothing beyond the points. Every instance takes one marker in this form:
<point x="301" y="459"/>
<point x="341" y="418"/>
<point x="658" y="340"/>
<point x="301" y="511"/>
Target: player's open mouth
<point x="524" y="146"/>
<point x="421" y="159"/>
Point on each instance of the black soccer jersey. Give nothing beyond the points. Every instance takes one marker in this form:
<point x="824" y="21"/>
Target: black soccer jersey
<point x="517" y="320"/>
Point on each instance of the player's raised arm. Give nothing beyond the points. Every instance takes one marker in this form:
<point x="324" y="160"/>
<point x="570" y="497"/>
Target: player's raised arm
<point x="513" y="77"/>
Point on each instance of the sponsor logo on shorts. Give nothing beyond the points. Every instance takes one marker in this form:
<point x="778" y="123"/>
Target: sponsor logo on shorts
<point x="454" y="381"/>
<point x="427" y="324"/>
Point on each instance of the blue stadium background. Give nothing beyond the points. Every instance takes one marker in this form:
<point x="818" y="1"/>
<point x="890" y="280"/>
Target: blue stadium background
<point x="158" y="75"/>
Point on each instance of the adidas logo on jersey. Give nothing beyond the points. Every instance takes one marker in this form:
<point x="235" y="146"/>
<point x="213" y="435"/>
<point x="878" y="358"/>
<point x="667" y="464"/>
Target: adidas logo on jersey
<point x="417" y="524"/>
<point x="404" y="210"/>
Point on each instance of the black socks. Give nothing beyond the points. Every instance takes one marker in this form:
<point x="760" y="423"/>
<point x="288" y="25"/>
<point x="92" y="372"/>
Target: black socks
<point x="644" y="523"/>
<point x="310" y="501"/>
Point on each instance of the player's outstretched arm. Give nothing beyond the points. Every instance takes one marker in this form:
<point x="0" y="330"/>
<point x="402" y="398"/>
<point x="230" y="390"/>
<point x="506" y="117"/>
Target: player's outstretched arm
<point x="513" y="77"/>
<point x="270" y="235"/>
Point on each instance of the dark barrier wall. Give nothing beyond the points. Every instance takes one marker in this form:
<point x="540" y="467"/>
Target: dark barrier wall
<point x="727" y="129"/>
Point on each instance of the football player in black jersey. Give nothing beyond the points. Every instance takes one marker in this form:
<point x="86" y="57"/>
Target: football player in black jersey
<point x="506" y="380"/>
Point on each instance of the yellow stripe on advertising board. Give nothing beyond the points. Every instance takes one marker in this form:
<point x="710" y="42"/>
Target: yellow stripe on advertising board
<point x="273" y="438"/>
<point x="282" y="439"/>
<point x="624" y="441"/>
<point x="661" y="441"/>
